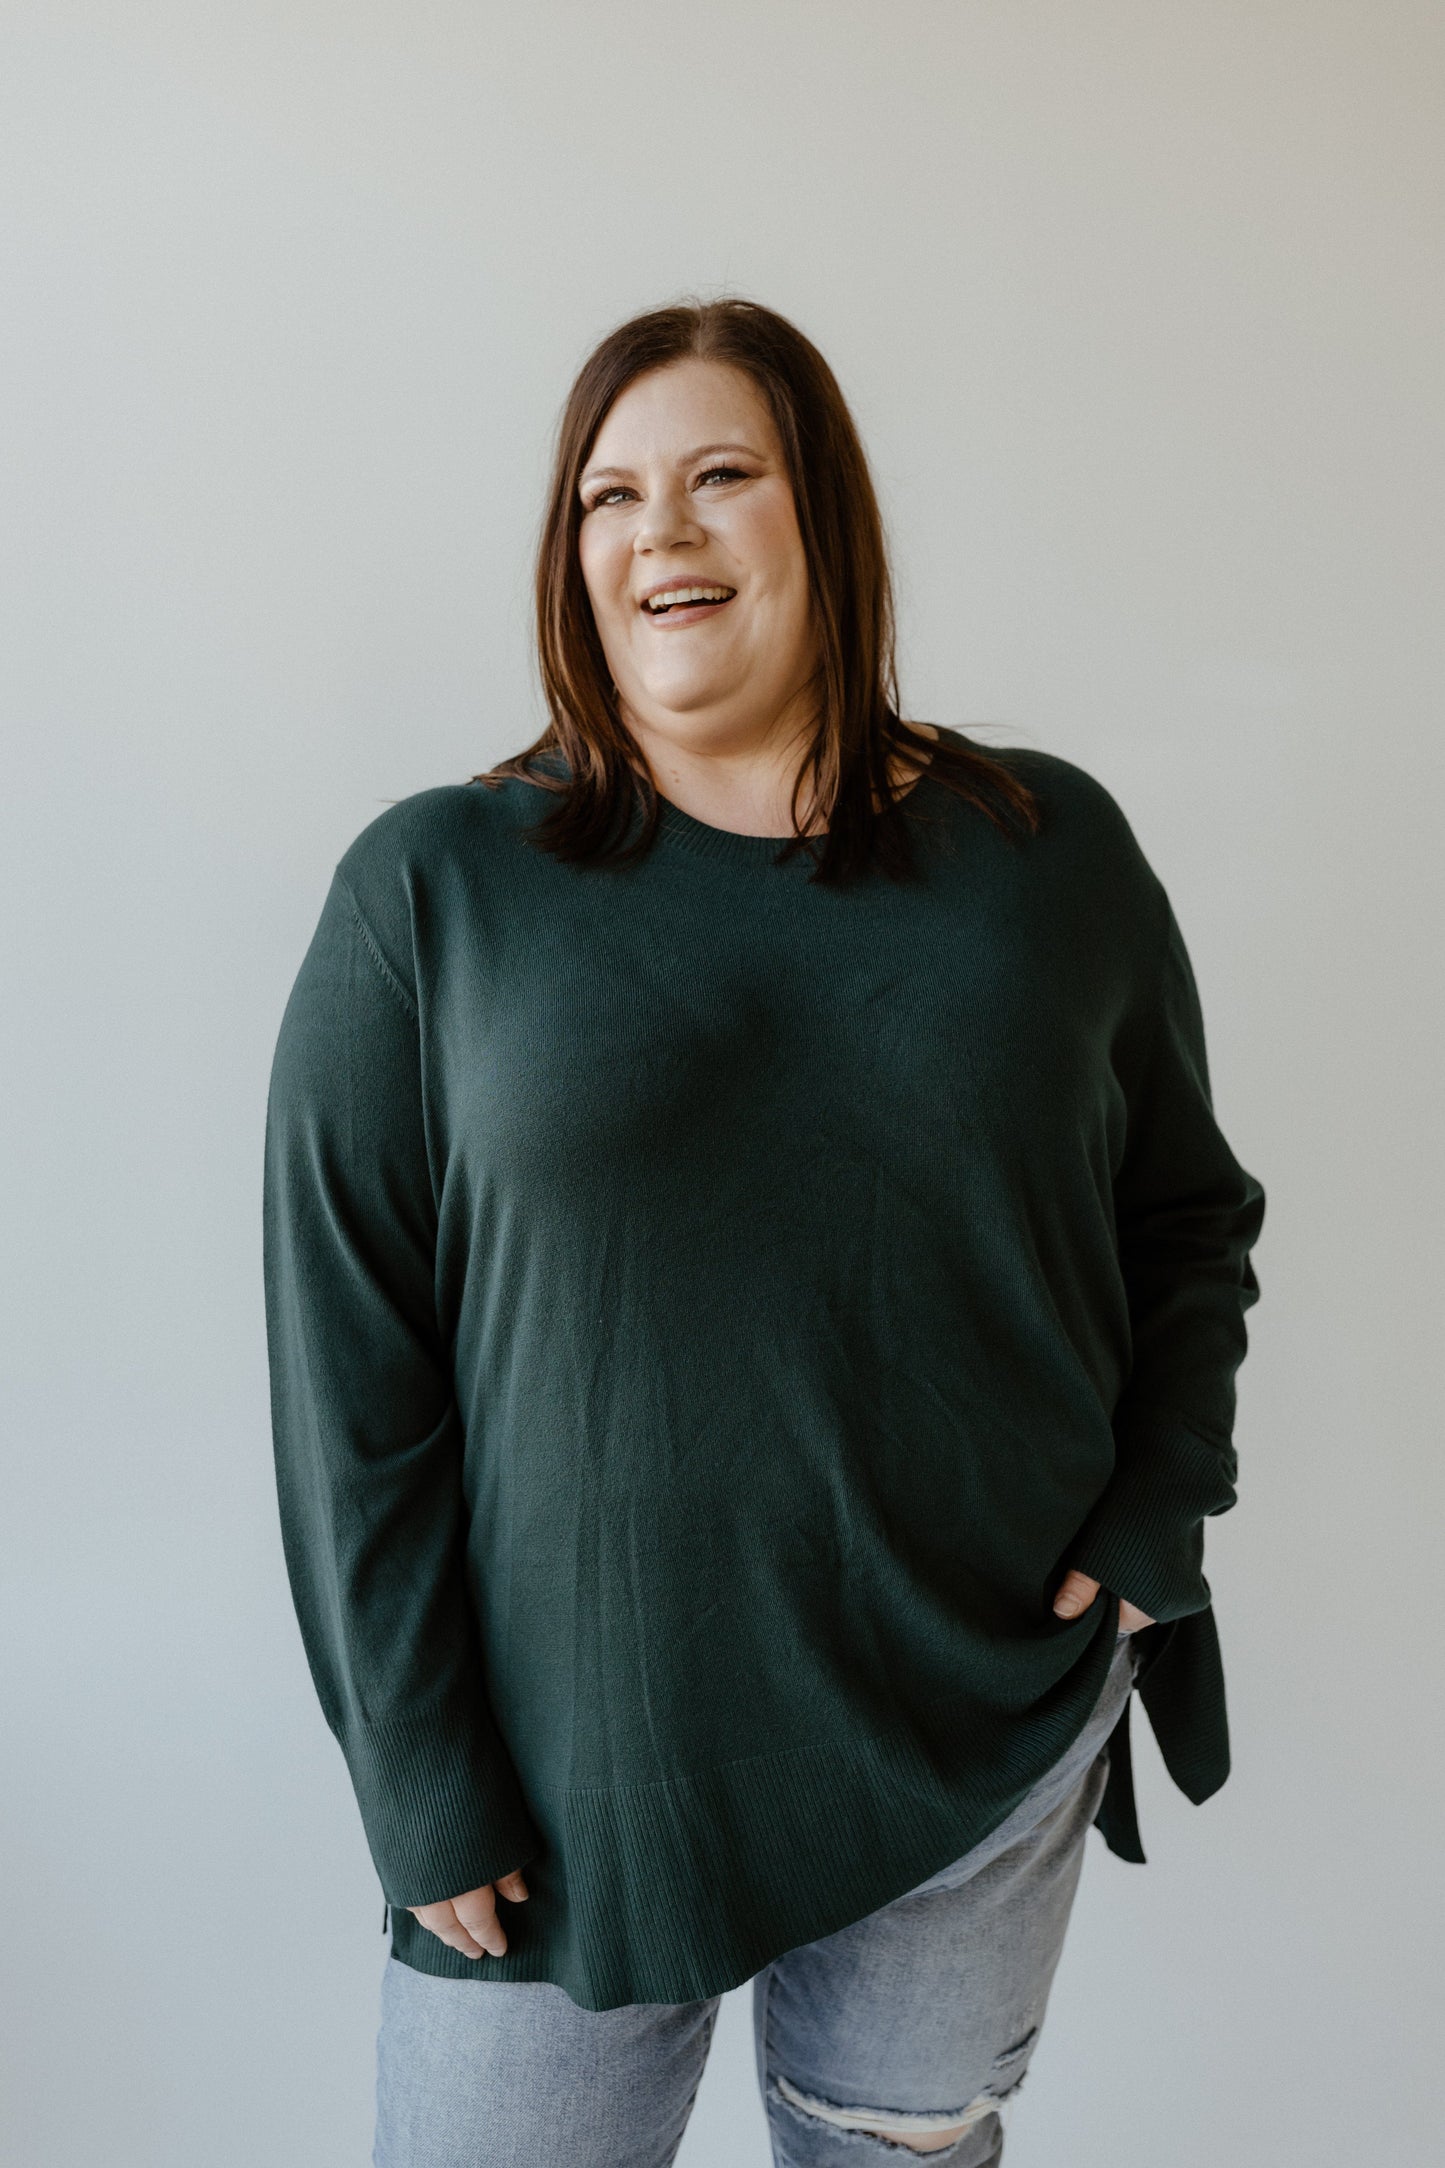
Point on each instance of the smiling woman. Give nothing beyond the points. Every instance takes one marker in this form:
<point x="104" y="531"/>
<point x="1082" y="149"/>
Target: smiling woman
<point x="754" y="1289"/>
<point x="698" y="582"/>
<point x="710" y="448"/>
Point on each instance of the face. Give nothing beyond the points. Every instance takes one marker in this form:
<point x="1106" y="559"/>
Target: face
<point x="686" y="489"/>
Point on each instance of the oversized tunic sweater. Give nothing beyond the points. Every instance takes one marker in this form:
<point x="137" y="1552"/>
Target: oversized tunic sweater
<point x="708" y="1313"/>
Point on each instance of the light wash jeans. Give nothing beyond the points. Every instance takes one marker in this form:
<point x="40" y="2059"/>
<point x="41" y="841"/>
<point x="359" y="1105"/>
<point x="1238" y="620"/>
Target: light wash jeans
<point x="916" y="2019"/>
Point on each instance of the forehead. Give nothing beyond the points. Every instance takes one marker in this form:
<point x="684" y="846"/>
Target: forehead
<point x="669" y="412"/>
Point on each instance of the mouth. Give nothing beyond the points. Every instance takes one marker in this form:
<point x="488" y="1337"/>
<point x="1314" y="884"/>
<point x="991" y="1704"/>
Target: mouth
<point x="685" y="602"/>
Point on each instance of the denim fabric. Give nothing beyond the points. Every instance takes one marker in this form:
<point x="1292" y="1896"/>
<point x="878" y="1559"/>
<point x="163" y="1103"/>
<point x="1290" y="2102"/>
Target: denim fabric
<point x="916" y="2019"/>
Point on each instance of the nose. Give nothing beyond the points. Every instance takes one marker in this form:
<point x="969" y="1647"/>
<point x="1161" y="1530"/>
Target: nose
<point x="667" y="521"/>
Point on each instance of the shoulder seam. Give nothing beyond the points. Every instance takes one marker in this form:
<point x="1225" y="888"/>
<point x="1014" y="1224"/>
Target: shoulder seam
<point x="373" y="950"/>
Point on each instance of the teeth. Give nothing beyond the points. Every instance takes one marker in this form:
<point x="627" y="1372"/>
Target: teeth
<point x="677" y="595"/>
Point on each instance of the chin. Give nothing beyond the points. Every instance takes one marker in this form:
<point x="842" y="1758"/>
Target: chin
<point x="680" y="699"/>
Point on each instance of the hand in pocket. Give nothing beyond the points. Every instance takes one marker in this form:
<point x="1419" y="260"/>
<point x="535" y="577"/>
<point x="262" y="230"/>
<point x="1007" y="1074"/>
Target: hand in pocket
<point x="1077" y="1591"/>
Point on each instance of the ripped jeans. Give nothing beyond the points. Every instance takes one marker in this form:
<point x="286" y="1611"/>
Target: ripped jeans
<point x="872" y="2043"/>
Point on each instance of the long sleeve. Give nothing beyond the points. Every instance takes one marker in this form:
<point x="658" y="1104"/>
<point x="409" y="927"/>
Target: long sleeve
<point x="366" y="1428"/>
<point x="1186" y="1216"/>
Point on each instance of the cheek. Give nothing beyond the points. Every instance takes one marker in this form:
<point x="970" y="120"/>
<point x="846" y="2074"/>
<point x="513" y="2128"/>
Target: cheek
<point x="604" y="575"/>
<point x="775" y="547"/>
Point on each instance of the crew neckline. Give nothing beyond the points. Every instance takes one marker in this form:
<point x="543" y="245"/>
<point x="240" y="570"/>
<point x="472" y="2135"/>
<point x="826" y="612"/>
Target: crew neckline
<point x="730" y="843"/>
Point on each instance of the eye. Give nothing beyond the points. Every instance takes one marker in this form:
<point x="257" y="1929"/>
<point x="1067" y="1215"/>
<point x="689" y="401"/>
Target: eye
<point x="614" y="489"/>
<point x="729" y="474"/>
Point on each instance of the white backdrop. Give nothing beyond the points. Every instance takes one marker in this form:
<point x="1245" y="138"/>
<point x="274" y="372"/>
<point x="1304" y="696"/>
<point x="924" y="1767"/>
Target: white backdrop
<point x="1139" y="304"/>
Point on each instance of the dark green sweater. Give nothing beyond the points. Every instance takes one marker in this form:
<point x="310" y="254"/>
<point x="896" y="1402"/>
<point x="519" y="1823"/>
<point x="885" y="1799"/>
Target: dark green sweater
<point x="707" y="1315"/>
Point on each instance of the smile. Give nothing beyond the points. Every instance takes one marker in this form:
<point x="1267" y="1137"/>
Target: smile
<point x="687" y="603"/>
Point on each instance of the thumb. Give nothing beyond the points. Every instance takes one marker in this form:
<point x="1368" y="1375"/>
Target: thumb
<point x="1076" y="1593"/>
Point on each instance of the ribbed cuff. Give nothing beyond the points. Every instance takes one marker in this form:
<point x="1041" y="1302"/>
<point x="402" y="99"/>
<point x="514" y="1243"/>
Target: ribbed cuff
<point x="1144" y="1539"/>
<point x="440" y="1802"/>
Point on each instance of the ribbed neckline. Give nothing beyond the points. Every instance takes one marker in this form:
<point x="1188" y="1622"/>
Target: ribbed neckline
<point x="760" y="851"/>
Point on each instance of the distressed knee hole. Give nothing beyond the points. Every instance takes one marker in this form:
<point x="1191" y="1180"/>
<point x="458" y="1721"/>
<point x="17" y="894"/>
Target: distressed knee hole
<point x="917" y="2133"/>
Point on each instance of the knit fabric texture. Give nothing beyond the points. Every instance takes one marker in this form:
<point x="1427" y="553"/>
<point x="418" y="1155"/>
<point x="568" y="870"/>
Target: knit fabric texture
<point x="707" y="1314"/>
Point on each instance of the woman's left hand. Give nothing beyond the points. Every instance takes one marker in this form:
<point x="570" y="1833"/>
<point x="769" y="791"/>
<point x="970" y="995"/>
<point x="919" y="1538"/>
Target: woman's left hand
<point x="1077" y="1592"/>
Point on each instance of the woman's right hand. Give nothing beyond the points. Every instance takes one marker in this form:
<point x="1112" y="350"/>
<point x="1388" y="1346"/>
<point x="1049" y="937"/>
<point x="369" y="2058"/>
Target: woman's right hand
<point x="469" y="1923"/>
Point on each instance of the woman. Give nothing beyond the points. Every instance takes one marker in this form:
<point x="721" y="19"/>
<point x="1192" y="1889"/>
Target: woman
<point x="754" y="1292"/>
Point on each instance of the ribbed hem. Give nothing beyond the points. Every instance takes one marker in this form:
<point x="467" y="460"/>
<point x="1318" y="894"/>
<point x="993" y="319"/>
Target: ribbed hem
<point x="440" y="1803"/>
<point x="680" y="1889"/>
<point x="1144" y="1539"/>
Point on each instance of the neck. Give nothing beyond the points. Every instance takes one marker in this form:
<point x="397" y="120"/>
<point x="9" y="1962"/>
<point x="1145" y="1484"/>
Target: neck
<point x="747" y="788"/>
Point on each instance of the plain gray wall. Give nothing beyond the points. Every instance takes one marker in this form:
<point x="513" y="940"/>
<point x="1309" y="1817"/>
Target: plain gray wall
<point x="1140" y="308"/>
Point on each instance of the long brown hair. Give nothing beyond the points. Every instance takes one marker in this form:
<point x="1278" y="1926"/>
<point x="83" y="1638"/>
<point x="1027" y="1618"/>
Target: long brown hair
<point x="859" y="735"/>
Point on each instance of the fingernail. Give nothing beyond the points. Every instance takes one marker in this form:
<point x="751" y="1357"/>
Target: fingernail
<point x="1067" y="1607"/>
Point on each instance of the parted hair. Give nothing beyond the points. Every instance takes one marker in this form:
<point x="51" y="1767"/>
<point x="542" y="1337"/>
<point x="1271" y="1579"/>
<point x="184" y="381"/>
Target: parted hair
<point x="586" y="755"/>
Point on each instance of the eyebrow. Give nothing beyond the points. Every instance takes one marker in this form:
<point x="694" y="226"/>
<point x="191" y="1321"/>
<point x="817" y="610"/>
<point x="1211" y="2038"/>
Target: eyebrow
<point x="703" y="451"/>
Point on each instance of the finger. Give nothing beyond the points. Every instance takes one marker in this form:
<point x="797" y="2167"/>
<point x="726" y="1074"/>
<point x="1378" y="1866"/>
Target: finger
<point x="458" y="1939"/>
<point x="1076" y="1593"/>
<point x="512" y="1887"/>
<point x="1131" y="1618"/>
<point x="462" y="1944"/>
<point x="441" y="1921"/>
<point x="436" y="1919"/>
<point x="477" y="1912"/>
